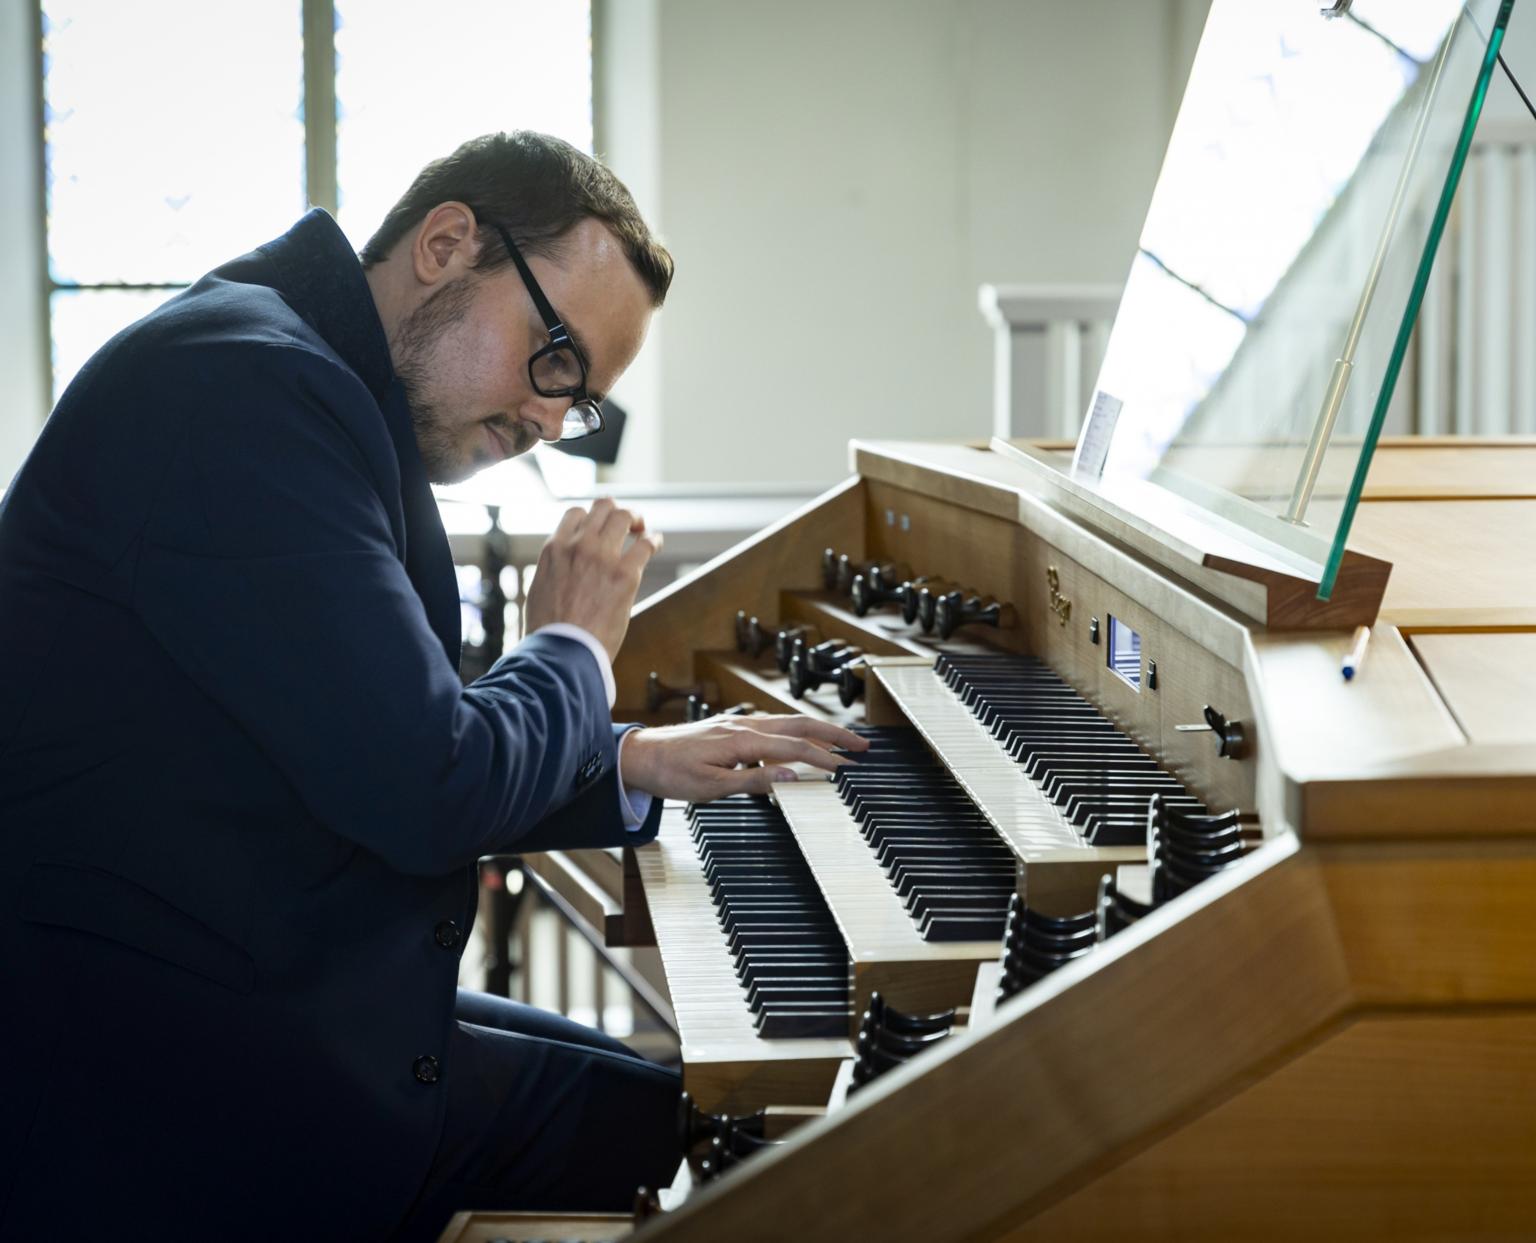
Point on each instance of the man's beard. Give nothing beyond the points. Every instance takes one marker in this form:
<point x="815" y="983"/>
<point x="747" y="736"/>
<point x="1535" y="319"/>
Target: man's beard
<point x="414" y="346"/>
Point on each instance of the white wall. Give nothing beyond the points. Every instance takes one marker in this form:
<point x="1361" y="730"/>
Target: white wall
<point x="835" y="181"/>
<point x="836" y="178"/>
<point x="626" y="132"/>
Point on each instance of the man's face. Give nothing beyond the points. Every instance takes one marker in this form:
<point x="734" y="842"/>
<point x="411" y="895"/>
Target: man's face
<point x="462" y="354"/>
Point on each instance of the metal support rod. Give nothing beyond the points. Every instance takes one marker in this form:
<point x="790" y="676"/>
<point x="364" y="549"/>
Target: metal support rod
<point x="320" y="184"/>
<point x="563" y="970"/>
<point x="599" y="994"/>
<point x="1338" y="385"/>
<point x="44" y="272"/>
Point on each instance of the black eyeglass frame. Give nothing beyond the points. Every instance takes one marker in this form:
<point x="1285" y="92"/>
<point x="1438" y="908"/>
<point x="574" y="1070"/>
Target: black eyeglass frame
<point x="559" y="338"/>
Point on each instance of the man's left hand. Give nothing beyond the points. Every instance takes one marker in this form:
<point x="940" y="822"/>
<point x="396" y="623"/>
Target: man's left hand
<point x="715" y="757"/>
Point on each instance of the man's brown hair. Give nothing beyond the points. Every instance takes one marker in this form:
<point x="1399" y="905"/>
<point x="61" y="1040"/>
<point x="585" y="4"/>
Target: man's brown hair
<point x="538" y="188"/>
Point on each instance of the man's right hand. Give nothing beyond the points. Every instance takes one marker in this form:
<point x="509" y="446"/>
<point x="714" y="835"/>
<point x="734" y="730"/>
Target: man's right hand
<point x="587" y="576"/>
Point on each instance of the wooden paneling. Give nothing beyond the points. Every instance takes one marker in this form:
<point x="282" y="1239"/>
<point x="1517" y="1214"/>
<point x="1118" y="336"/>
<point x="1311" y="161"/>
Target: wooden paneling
<point x="1445" y="467"/>
<point x="1332" y="1039"/>
<point x="1439" y="923"/>
<point x="1188" y="677"/>
<point x="1488" y="681"/>
<point x="1456" y="563"/>
<point x="973" y="548"/>
<point x="700" y="609"/>
<point x="1398" y="1127"/>
<point x="1323" y="726"/>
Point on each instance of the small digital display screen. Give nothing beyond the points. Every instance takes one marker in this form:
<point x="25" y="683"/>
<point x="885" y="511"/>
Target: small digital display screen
<point x="1125" y="652"/>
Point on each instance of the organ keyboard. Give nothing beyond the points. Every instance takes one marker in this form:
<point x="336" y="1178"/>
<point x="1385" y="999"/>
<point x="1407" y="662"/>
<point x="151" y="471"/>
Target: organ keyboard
<point x="732" y="1063"/>
<point x="1333" y="964"/>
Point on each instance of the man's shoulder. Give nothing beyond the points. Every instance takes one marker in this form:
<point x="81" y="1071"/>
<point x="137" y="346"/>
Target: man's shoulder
<point x="221" y="328"/>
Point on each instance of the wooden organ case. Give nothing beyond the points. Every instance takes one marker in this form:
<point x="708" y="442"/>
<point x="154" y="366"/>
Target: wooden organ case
<point x="1274" y="974"/>
<point x="1334" y="1034"/>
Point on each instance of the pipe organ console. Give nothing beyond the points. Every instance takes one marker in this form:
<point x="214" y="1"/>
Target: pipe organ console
<point x="1073" y="948"/>
<point x="1137" y="916"/>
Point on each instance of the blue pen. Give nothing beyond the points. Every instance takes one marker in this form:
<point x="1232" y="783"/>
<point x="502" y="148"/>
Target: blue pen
<point x="1356" y="656"/>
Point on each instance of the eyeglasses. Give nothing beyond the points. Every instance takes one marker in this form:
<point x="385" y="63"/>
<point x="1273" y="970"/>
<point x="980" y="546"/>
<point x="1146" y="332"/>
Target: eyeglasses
<point x="557" y="370"/>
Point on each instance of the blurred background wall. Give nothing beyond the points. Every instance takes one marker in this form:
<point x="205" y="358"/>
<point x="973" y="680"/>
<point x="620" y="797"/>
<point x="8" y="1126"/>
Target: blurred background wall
<point x="835" y="180"/>
<point x="835" y="177"/>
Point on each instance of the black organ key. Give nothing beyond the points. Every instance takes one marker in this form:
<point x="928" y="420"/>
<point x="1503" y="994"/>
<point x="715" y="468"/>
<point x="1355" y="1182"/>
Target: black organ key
<point x="942" y="857"/>
<point x="790" y="958"/>
<point x="1097" y="775"/>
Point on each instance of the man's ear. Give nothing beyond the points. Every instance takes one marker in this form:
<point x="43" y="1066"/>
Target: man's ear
<point x="444" y="246"/>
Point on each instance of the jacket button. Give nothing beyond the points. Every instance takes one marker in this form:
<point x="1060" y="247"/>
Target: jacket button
<point x="426" y="1069"/>
<point x="447" y="934"/>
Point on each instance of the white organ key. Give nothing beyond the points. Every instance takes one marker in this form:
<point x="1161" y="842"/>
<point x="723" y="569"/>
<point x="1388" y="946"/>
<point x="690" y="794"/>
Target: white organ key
<point x="1031" y="825"/>
<point x="721" y="1049"/>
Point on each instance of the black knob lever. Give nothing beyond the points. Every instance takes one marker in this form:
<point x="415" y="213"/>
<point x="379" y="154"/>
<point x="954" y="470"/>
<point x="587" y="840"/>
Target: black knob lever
<point x="883" y="1015"/>
<point x="925" y="607"/>
<point x="839" y="569"/>
<point x="871" y="590"/>
<point x="850" y="683"/>
<point x="1231" y="736"/>
<point x="658" y="692"/>
<point x="784" y="643"/>
<point x="809" y="667"/>
<point x="752" y="638"/>
<point x="647" y="1204"/>
<point x="952" y="610"/>
<point x="696" y="1127"/>
<point x="829" y="560"/>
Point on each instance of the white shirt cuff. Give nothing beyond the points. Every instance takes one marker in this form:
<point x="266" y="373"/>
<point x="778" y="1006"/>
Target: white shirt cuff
<point x="634" y="804"/>
<point x="565" y="630"/>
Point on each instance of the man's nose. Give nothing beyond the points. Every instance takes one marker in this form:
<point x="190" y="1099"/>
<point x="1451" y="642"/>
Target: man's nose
<point x="549" y="414"/>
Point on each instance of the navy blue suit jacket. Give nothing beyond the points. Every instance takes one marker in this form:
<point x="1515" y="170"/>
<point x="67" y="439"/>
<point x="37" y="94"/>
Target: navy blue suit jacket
<point x="241" y="785"/>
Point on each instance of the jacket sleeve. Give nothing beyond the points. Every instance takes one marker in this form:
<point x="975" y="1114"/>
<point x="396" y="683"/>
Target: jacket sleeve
<point x="591" y="820"/>
<point x="271" y="573"/>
